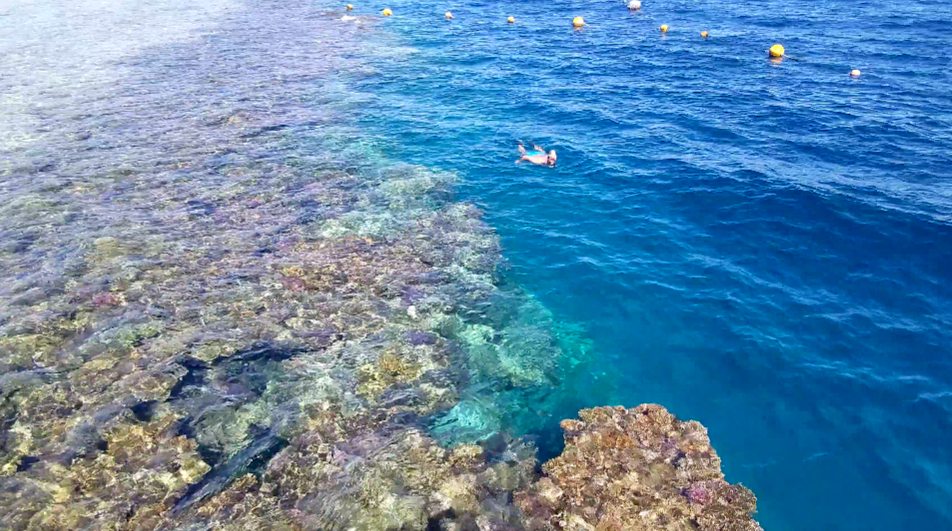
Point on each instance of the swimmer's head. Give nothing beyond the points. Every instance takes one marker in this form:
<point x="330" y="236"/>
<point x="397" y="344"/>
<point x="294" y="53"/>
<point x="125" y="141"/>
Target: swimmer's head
<point x="550" y="160"/>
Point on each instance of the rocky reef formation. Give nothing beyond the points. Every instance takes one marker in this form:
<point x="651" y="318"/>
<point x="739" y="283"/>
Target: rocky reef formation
<point x="270" y="326"/>
<point x="145" y="373"/>
<point x="636" y="469"/>
<point x="358" y="474"/>
<point x="275" y="334"/>
<point x="300" y="348"/>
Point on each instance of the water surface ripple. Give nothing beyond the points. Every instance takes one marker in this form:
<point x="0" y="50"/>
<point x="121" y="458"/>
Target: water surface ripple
<point x="215" y="288"/>
<point x="760" y="245"/>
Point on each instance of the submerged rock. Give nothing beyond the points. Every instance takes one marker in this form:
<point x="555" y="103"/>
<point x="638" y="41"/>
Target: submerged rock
<point x="636" y="469"/>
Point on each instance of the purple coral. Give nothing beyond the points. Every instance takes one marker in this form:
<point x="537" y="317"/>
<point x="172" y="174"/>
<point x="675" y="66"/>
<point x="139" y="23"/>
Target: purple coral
<point x="106" y="298"/>
<point x="323" y="337"/>
<point x="419" y="337"/>
<point x="669" y="448"/>
<point x="293" y="283"/>
<point x="699" y="493"/>
<point x="410" y="295"/>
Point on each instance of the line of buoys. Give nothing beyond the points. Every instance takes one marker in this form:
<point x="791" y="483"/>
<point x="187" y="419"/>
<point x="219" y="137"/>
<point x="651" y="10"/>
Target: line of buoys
<point x="776" y="51"/>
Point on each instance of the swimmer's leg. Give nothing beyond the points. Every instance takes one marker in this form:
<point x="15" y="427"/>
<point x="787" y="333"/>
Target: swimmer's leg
<point x="522" y="150"/>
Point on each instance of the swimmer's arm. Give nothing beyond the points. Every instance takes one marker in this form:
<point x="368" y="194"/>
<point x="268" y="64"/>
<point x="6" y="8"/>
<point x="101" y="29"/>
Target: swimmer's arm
<point x="537" y="147"/>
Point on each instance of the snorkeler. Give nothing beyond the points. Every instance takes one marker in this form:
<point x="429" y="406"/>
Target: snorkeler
<point x="537" y="155"/>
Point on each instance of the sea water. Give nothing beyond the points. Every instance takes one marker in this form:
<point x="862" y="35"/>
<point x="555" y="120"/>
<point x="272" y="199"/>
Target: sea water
<point x="760" y="245"/>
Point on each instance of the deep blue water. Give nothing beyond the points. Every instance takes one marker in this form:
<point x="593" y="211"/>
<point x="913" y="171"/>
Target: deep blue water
<point x="763" y="246"/>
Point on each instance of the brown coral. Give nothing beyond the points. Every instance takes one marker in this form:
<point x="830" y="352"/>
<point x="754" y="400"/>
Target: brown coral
<point x="365" y="475"/>
<point x="636" y="469"/>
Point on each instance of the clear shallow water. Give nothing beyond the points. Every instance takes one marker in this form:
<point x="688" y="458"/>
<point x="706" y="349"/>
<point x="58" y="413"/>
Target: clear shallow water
<point x="759" y="246"/>
<point x="762" y="246"/>
<point x="214" y="281"/>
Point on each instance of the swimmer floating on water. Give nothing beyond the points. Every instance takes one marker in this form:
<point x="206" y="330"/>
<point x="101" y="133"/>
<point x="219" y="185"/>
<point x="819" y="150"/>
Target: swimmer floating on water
<point x="537" y="156"/>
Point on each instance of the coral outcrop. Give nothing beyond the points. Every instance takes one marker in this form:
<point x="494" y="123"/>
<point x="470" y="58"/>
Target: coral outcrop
<point x="638" y="469"/>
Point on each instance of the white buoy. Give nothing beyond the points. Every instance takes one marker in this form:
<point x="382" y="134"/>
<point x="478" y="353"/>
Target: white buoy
<point x="634" y="5"/>
<point x="854" y="73"/>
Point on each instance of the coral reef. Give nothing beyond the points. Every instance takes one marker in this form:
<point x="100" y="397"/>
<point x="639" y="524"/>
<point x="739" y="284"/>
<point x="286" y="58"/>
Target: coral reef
<point x="312" y="348"/>
<point x="246" y="318"/>
<point x="187" y="373"/>
<point x="635" y="469"/>
<point x="351" y="474"/>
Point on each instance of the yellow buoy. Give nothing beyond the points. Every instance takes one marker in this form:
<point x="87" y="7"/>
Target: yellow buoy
<point x="578" y="22"/>
<point x="664" y="28"/>
<point x="511" y="20"/>
<point x="776" y="51"/>
<point x="449" y="15"/>
<point x="387" y="13"/>
<point x="704" y="34"/>
<point x="350" y="7"/>
<point x="854" y="73"/>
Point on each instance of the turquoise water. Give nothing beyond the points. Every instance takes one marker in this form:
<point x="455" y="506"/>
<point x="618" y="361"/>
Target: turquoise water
<point x="763" y="246"/>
